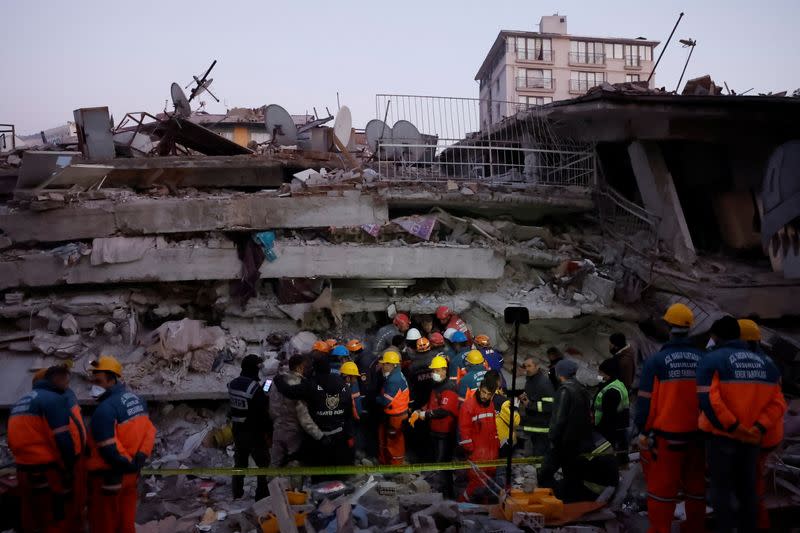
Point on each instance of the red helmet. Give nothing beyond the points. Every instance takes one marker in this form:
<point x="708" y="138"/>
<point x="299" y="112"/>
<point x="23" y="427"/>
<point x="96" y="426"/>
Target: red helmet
<point x="443" y="312"/>
<point x="401" y="320"/>
<point x="436" y="339"/>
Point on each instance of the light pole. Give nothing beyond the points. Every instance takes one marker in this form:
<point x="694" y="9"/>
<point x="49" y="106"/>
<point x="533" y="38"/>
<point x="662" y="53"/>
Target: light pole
<point x="513" y="314"/>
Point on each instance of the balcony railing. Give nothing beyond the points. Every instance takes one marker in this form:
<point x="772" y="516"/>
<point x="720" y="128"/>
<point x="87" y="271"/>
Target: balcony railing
<point x="535" y="83"/>
<point x="634" y="62"/>
<point x="534" y="54"/>
<point x="581" y="86"/>
<point x="583" y="58"/>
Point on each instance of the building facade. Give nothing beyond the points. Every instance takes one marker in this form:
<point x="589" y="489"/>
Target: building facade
<point x="526" y="68"/>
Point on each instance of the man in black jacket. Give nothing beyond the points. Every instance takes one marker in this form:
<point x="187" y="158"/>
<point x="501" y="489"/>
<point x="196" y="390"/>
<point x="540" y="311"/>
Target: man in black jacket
<point x="537" y="403"/>
<point x="612" y="407"/>
<point x="570" y="434"/>
<point x="554" y="355"/>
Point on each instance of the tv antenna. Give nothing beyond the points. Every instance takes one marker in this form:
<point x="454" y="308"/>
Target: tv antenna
<point x="202" y="84"/>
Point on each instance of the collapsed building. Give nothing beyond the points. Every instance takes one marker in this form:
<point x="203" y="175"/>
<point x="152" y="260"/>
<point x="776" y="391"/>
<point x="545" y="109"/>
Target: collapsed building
<point x="180" y="249"/>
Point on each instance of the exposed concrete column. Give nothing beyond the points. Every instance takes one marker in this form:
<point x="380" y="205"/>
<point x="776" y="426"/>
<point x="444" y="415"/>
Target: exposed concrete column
<point x="660" y="198"/>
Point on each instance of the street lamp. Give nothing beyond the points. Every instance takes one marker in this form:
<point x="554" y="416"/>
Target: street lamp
<point x="687" y="43"/>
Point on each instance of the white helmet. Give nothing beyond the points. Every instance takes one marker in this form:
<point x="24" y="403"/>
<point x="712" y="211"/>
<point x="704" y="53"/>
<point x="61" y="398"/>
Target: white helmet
<point x="413" y="334"/>
<point x="448" y="333"/>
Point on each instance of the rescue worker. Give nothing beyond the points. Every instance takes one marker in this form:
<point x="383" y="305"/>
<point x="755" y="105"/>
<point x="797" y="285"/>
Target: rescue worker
<point x="621" y="350"/>
<point x="385" y="335"/>
<point x="448" y="319"/>
<point x="474" y="370"/>
<point x="320" y="350"/>
<point x="570" y="434"/>
<point x="502" y="406"/>
<point x="352" y="377"/>
<point x="460" y="346"/>
<point x="437" y="342"/>
<point x="666" y="419"/>
<point x="493" y="358"/>
<point x="412" y="336"/>
<point x="537" y="407"/>
<point x="740" y="404"/>
<point x="394" y="400"/>
<point x="330" y="405"/>
<point x="122" y="439"/>
<point x="249" y="413"/>
<point x="39" y="437"/>
<point x="418" y="443"/>
<point x="361" y="357"/>
<point x="612" y="408"/>
<point x="751" y="334"/>
<point x="554" y="355"/>
<point x="426" y="326"/>
<point x="478" y="434"/>
<point x="290" y="417"/>
<point x="80" y="437"/>
<point x="441" y="412"/>
<point x="339" y="354"/>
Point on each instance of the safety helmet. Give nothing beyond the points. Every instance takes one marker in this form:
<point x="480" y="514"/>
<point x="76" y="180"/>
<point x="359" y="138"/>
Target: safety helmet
<point x="679" y="315"/>
<point x="340" y="351"/>
<point x="107" y="363"/>
<point x="423" y="345"/>
<point x="413" y="334"/>
<point x="436" y="339"/>
<point x="749" y="330"/>
<point x="449" y="332"/>
<point x="438" y="362"/>
<point x="331" y="343"/>
<point x="443" y="312"/>
<point x="321" y="346"/>
<point x="349" y="368"/>
<point x="354" y="345"/>
<point x="458" y="336"/>
<point x="474" y="357"/>
<point x="390" y="356"/>
<point x="401" y="319"/>
<point x="483" y="341"/>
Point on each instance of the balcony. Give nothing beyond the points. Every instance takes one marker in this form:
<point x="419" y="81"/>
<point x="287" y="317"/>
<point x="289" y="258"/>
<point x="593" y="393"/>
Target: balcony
<point x="543" y="84"/>
<point x="534" y="55"/>
<point x="582" y="58"/>
<point x="633" y="62"/>
<point x="581" y="86"/>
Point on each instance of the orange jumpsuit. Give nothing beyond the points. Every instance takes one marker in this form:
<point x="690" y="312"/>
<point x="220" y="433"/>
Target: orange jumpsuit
<point x="394" y="399"/>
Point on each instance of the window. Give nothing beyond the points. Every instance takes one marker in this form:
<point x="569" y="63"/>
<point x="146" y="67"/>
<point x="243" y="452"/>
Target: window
<point x="587" y="53"/>
<point x="497" y="86"/>
<point x="613" y="51"/>
<point x="534" y="49"/>
<point x="581" y="82"/>
<point x="534" y="78"/>
<point x="529" y="101"/>
<point x="635" y="54"/>
<point x="629" y="78"/>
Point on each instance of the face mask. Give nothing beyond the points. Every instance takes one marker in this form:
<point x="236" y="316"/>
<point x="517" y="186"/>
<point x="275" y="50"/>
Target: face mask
<point x="437" y="378"/>
<point x="96" y="391"/>
<point x="710" y="344"/>
<point x="386" y="374"/>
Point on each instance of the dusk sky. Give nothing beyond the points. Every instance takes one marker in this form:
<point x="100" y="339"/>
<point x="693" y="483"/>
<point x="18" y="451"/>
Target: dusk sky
<point x="57" y="56"/>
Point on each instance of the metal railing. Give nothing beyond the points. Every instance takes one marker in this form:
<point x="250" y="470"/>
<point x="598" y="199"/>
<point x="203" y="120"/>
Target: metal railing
<point x="534" y="54"/>
<point x="633" y="62"/>
<point x="581" y="86"/>
<point x="535" y="83"/>
<point x="624" y="218"/>
<point x="584" y="58"/>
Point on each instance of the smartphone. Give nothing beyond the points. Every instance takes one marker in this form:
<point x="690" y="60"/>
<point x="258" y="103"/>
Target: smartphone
<point x="267" y="385"/>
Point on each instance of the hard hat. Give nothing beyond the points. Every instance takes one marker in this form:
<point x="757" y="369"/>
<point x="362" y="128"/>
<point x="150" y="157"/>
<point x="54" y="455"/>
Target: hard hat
<point x="679" y="315"/>
<point x="438" y="362"/>
<point x="483" y="340"/>
<point x="474" y="357"/>
<point x="449" y="332"/>
<point x="443" y="312"/>
<point x="340" y="351"/>
<point x="458" y="336"/>
<point x="354" y="345"/>
<point x="107" y="363"/>
<point x="423" y="345"/>
<point x="749" y="330"/>
<point x="390" y="356"/>
<point x="349" y="368"/>
<point x="331" y="343"/>
<point x="436" y="339"/>
<point x="401" y="319"/>
<point x="321" y="346"/>
<point x="413" y="334"/>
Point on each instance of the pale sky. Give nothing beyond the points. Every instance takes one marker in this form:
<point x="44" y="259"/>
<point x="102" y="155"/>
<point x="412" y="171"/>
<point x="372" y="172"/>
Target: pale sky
<point x="57" y="56"/>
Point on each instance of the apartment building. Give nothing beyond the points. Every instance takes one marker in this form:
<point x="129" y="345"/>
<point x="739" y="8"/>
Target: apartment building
<point x="526" y="68"/>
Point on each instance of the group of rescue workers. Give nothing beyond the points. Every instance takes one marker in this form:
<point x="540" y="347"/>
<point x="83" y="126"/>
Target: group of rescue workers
<point x="430" y="391"/>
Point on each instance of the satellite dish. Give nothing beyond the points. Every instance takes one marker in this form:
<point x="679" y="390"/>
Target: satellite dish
<point x="376" y="131"/>
<point x="280" y="125"/>
<point x="404" y="132"/>
<point x="343" y="126"/>
<point x="179" y="100"/>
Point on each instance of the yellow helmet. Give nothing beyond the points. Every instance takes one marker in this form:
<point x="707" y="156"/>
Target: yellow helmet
<point x="349" y="368"/>
<point x="679" y="315"/>
<point x="438" y="362"/>
<point x="749" y="330"/>
<point x="483" y="341"/>
<point x="107" y="363"/>
<point x="391" y="356"/>
<point x="474" y="357"/>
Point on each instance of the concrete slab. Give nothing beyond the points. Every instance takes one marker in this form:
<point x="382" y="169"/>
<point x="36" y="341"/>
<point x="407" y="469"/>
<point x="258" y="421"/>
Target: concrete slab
<point x="196" y="261"/>
<point x="243" y="212"/>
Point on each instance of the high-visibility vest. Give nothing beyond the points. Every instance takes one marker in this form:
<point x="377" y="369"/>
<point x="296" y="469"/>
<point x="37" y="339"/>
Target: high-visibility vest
<point x="624" y="403"/>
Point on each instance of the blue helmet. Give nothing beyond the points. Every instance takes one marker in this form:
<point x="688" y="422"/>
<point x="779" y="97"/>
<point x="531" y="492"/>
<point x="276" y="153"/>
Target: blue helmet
<point x="340" y="351"/>
<point x="459" y="336"/>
